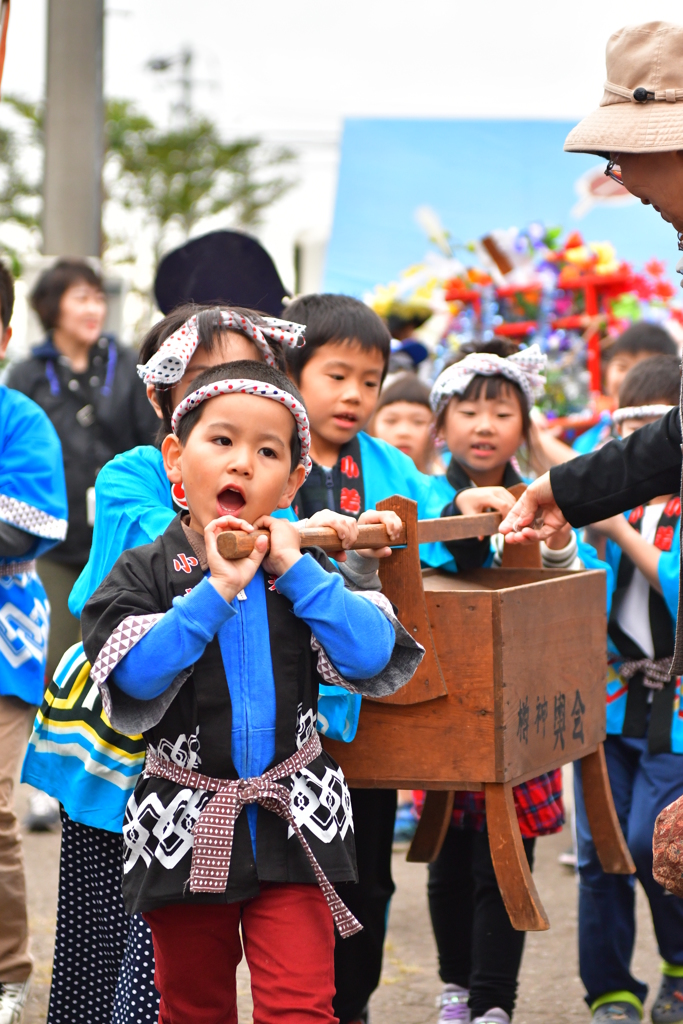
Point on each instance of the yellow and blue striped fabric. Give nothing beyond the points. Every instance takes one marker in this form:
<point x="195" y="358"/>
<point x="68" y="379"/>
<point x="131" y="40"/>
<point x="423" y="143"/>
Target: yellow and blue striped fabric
<point x="75" y="755"/>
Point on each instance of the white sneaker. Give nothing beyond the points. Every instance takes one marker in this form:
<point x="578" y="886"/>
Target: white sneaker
<point x="43" y="812"/>
<point x="453" y="1006"/>
<point x="494" y="1016"/>
<point x="13" y="996"/>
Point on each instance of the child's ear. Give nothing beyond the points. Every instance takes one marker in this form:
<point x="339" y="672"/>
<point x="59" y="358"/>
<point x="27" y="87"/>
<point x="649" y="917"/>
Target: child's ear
<point x="171" y="451"/>
<point x="153" y="400"/>
<point x="296" y="479"/>
<point x="4" y="339"/>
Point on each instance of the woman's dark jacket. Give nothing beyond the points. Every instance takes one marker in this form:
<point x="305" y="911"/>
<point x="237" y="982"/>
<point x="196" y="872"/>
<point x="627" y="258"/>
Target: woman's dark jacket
<point x="622" y="475"/>
<point x="97" y="414"/>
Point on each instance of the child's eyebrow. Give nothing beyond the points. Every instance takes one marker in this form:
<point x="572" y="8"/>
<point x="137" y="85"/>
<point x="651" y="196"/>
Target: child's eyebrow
<point x="231" y="427"/>
<point x="272" y="438"/>
<point x="350" y="365"/>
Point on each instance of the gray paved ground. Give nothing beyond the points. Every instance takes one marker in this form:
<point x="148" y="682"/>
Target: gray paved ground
<point x="550" y="991"/>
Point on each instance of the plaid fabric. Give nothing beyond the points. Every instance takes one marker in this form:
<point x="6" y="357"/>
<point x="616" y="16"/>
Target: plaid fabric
<point x="540" y="810"/>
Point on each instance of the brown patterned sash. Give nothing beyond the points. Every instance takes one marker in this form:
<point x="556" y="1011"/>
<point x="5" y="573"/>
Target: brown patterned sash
<point x="215" y="828"/>
<point x="656" y="674"/>
<point x="17" y="568"/>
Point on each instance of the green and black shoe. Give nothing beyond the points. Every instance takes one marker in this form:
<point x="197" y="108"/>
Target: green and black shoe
<point x="668" y="1006"/>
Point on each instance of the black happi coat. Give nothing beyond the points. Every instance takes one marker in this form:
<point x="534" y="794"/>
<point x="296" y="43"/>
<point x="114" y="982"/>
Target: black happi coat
<point x="191" y="724"/>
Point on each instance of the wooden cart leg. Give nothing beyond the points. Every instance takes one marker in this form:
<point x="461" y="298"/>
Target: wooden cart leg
<point x="610" y="844"/>
<point x="516" y="885"/>
<point x="432" y="826"/>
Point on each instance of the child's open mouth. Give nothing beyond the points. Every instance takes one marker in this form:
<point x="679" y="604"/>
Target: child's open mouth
<point x="345" y="420"/>
<point x="230" y="502"/>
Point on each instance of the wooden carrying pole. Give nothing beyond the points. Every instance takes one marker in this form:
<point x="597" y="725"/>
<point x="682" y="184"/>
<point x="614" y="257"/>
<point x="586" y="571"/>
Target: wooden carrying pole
<point x="237" y="544"/>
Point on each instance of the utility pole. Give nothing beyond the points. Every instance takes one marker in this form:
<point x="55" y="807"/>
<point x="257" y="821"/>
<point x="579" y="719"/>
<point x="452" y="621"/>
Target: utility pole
<point x="74" y="129"/>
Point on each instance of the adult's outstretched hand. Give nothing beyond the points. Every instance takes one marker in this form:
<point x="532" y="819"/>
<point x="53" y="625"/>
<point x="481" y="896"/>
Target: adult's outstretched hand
<point x="536" y="515"/>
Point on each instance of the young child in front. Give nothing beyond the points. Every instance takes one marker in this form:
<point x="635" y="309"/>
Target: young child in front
<point x="339" y="373"/>
<point x="482" y="405"/>
<point x="239" y="820"/>
<point x="644" y="745"/>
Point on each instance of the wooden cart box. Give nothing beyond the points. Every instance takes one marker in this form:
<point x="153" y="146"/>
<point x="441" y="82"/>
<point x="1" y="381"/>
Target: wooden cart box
<point x="522" y="656"/>
<point x="512" y="684"/>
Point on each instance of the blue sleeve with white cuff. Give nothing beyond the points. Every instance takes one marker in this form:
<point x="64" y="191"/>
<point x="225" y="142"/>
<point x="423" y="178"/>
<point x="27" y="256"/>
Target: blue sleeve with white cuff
<point x="356" y="636"/>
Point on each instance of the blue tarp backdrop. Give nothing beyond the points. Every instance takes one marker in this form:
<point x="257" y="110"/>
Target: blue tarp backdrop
<point x="477" y="176"/>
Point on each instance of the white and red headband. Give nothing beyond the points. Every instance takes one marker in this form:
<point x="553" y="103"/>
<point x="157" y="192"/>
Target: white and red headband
<point x="169" y="362"/>
<point x="522" y="368"/>
<point x="261" y="390"/>
<point x="640" y="412"/>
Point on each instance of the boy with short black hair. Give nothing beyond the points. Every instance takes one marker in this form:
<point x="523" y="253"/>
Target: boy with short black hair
<point x="339" y="373"/>
<point x="639" y="342"/>
<point x="189" y="659"/>
<point x="642" y="340"/>
<point x="644" y="744"/>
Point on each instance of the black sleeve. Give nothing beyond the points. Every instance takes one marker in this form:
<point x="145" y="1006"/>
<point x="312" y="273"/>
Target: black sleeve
<point x="130" y="588"/>
<point x="622" y="474"/>
<point x="13" y="541"/>
<point x="470" y="553"/>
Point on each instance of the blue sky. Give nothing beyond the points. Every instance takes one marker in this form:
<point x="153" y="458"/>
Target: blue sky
<point x="478" y="175"/>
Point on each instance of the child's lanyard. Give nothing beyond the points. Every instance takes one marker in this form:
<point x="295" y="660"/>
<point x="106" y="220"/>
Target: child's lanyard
<point x="112" y="357"/>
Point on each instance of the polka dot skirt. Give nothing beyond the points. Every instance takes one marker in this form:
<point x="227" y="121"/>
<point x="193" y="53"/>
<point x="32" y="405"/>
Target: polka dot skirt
<point x="103" y="966"/>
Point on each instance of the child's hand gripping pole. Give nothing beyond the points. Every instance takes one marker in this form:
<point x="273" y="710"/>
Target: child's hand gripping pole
<point x="237" y="544"/>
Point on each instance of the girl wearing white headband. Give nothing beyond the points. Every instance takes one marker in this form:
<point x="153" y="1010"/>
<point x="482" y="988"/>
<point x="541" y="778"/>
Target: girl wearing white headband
<point x="482" y="405"/>
<point x="191" y="339"/>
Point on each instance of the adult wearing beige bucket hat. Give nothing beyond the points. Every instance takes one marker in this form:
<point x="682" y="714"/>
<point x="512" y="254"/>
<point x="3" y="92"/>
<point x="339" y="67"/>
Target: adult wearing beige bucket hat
<point x="638" y="128"/>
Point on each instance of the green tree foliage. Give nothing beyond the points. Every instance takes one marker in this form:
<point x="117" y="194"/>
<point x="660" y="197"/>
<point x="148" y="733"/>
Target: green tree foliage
<point x="21" y="177"/>
<point x="181" y="175"/>
<point x="170" y="177"/>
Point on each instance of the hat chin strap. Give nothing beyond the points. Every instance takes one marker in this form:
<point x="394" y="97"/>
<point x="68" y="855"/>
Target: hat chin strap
<point x="644" y="95"/>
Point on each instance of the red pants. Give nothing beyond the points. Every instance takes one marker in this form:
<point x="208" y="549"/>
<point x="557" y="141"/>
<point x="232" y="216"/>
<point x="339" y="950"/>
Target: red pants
<point x="288" y="940"/>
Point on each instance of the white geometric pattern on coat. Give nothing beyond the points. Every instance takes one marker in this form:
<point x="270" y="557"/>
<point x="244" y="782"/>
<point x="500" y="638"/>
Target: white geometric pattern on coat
<point x="184" y="752"/>
<point x="153" y="831"/>
<point x="22" y="580"/>
<point x="323" y="806"/>
<point x="32" y="519"/>
<point x="23" y="636"/>
<point x="305" y="726"/>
